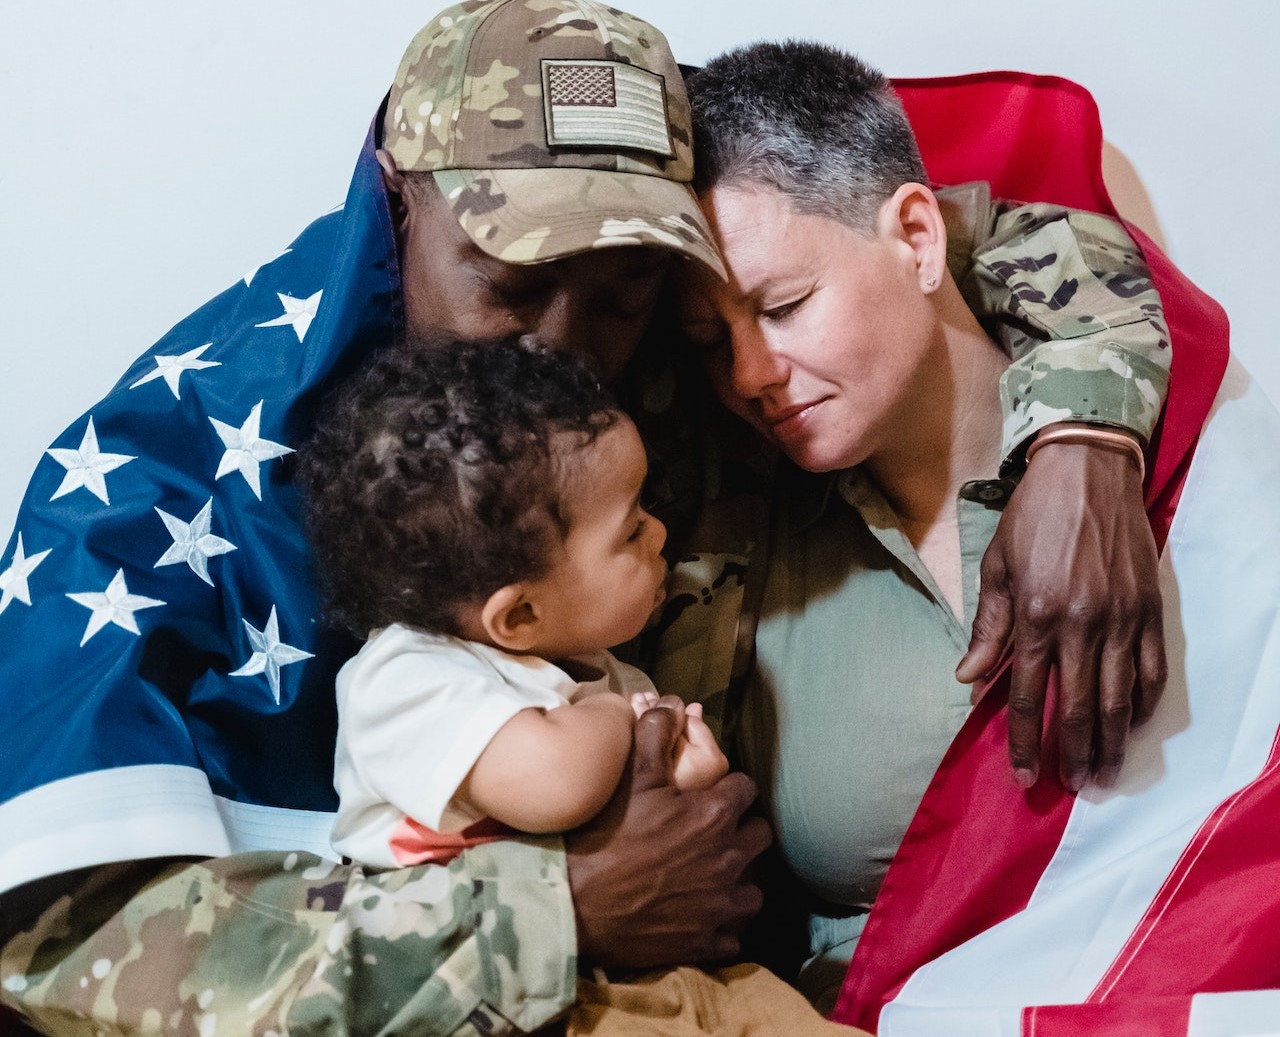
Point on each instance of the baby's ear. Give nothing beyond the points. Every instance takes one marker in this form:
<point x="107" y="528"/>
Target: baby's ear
<point x="511" y="619"/>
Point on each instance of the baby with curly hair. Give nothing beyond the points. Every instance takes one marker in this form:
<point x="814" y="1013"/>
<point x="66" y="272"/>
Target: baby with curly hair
<point x="476" y="513"/>
<point x="476" y="510"/>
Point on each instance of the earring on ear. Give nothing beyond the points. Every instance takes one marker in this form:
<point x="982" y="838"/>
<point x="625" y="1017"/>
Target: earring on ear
<point x="932" y="282"/>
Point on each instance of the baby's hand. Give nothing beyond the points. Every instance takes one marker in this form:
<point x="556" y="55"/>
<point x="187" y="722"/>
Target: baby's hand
<point x="643" y="701"/>
<point x="698" y="762"/>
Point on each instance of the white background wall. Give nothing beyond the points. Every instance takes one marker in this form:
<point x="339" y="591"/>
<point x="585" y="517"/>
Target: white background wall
<point x="151" y="153"/>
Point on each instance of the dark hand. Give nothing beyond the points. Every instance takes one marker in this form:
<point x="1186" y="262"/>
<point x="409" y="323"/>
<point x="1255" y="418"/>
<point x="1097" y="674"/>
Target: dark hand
<point x="657" y="877"/>
<point x="1071" y="580"/>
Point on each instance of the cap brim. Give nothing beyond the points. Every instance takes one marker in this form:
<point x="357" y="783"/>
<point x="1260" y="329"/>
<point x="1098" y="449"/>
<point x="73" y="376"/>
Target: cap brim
<point x="537" y="215"/>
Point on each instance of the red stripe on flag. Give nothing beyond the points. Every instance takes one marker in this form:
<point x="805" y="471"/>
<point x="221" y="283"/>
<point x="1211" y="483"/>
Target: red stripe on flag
<point x="1033" y="138"/>
<point x="977" y="846"/>
<point x="1157" y="1017"/>
<point x="1212" y="926"/>
<point x="1200" y="332"/>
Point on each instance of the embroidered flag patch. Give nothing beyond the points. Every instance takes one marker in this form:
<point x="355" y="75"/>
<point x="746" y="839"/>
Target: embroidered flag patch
<point x="605" y="104"/>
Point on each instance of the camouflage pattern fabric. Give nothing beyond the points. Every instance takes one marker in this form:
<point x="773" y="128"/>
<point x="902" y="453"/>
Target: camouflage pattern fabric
<point x="494" y="95"/>
<point x="273" y="944"/>
<point x="1069" y="296"/>
<point x="269" y="943"/>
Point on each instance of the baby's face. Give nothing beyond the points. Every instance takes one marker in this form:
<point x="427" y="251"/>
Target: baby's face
<point x="609" y="575"/>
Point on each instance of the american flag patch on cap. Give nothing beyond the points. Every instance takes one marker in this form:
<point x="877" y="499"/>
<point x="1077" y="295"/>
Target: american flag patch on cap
<point x="605" y="104"/>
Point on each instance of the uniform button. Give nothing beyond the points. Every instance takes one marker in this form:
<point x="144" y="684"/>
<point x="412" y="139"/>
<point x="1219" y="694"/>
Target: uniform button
<point x="992" y="492"/>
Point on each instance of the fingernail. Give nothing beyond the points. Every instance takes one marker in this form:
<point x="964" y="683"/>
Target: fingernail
<point x="1107" y="776"/>
<point x="1024" y="777"/>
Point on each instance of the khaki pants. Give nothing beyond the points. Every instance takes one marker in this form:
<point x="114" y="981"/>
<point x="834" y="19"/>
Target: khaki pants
<point x="740" y="1001"/>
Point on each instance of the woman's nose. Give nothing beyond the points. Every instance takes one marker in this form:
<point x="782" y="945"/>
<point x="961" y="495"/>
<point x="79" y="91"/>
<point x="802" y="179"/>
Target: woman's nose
<point x="756" y="366"/>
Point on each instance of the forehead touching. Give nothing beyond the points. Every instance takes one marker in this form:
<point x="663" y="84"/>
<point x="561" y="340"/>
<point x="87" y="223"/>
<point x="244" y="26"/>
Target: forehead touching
<point x="762" y="236"/>
<point x="595" y="305"/>
<point x="771" y="250"/>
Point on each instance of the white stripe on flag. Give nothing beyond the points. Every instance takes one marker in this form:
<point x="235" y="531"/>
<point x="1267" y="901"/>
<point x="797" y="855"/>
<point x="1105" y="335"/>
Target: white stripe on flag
<point x="1246" y="1013"/>
<point x="1220" y="576"/>
<point x="128" y="813"/>
<point x="252" y="827"/>
<point x="133" y="813"/>
<point x="920" y="1020"/>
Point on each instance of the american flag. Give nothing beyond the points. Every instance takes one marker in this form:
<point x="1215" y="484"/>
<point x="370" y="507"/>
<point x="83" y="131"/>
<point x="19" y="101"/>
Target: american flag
<point x="605" y="103"/>
<point x="167" y="679"/>
<point x="1151" y="909"/>
<point x="169" y="689"/>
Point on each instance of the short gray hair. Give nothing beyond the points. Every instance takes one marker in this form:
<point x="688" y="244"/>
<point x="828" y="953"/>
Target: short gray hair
<point x="811" y="121"/>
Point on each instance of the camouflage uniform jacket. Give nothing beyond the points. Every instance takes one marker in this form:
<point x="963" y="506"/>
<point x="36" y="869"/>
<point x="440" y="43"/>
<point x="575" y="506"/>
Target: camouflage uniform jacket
<point x="1070" y="297"/>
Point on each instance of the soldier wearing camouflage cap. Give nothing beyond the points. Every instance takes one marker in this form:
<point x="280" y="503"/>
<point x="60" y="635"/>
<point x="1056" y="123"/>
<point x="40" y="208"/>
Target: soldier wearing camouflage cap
<point x="553" y="128"/>
<point x="559" y="130"/>
<point x="543" y="130"/>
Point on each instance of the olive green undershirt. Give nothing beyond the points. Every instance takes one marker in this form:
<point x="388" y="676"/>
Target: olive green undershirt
<point x="853" y="701"/>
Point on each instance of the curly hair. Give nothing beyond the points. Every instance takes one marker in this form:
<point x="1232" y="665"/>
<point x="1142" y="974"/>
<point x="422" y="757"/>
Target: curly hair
<point x="436" y="475"/>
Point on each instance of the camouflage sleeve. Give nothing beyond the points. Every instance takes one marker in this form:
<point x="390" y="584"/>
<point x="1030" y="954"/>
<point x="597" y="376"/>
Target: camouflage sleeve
<point x="1070" y="297"/>
<point x="265" y="943"/>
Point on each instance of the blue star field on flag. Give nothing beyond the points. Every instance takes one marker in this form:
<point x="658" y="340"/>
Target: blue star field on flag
<point x="163" y="658"/>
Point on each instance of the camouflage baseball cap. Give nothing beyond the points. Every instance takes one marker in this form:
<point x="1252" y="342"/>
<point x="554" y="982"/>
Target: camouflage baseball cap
<point x="552" y="127"/>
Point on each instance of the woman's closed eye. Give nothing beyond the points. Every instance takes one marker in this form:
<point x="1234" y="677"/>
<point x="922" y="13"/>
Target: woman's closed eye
<point x="782" y="311"/>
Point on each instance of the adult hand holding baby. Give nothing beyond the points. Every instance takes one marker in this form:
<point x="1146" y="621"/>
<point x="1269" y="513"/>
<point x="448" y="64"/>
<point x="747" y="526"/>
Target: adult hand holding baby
<point x="697" y="761"/>
<point x="658" y="876"/>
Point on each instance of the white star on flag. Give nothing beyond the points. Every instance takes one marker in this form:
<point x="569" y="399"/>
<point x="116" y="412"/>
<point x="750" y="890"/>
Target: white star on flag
<point x="114" y="605"/>
<point x="170" y="368"/>
<point x="248" y="278"/>
<point x="269" y="654"/>
<point x="246" y="449"/>
<point x="298" y="312"/>
<point x="193" y="542"/>
<point x="86" y="466"/>
<point x="13" y="581"/>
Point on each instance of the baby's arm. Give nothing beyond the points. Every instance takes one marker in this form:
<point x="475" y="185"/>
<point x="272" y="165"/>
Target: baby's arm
<point x="550" y="771"/>
<point x="698" y="762"/>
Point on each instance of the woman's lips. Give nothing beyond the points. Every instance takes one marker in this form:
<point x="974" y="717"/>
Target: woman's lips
<point x="788" y="421"/>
